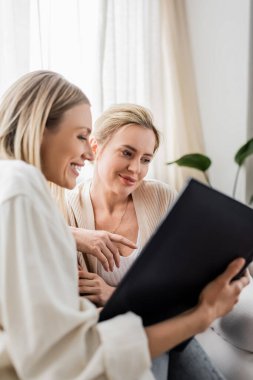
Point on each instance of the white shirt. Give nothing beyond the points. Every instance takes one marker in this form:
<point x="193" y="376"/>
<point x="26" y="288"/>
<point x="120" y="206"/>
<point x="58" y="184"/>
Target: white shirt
<point x="46" y="330"/>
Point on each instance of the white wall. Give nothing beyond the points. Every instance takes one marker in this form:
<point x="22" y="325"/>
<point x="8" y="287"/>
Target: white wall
<point x="219" y="33"/>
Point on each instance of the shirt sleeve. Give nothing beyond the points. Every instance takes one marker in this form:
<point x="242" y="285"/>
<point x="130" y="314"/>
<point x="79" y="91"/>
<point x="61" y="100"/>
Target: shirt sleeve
<point x="51" y="332"/>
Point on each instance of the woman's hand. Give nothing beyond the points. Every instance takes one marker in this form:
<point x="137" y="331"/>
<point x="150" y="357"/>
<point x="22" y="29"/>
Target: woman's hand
<point x="93" y="287"/>
<point x="215" y="300"/>
<point x="101" y="244"/>
<point x="219" y="296"/>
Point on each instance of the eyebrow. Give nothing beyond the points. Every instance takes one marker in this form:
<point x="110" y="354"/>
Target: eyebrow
<point x="85" y="129"/>
<point x="134" y="150"/>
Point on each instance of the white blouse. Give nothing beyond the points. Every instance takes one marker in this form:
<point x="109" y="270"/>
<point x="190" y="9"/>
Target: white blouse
<point x="46" y="330"/>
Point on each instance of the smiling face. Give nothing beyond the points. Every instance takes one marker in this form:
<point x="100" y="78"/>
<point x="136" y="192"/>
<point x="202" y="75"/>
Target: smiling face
<point x="65" y="147"/>
<point x="123" y="162"/>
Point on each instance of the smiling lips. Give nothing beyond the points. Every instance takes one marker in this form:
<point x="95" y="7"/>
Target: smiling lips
<point x="128" y="180"/>
<point x="76" y="168"/>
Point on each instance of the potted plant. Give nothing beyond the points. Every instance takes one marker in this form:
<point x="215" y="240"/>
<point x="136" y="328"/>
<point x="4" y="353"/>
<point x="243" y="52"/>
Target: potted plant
<point x="201" y="162"/>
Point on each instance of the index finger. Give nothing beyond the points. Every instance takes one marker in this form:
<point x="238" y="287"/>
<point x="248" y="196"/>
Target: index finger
<point x="122" y="240"/>
<point x="86" y="275"/>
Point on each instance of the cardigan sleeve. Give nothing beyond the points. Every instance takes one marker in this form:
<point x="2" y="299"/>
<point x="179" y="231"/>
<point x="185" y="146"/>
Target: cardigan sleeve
<point x="152" y="201"/>
<point x="51" y="332"/>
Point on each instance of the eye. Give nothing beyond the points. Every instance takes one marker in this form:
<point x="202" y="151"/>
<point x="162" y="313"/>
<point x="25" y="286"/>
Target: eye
<point x="80" y="137"/>
<point x="145" y="160"/>
<point x="127" y="153"/>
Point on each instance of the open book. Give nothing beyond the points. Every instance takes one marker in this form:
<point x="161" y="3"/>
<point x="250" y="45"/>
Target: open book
<point x="200" y="235"/>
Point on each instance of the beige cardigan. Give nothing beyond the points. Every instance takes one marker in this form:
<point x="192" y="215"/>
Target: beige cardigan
<point x="151" y="201"/>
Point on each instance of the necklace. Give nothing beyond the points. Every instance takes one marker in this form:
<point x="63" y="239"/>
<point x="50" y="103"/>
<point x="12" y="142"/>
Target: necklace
<point x="122" y="216"/>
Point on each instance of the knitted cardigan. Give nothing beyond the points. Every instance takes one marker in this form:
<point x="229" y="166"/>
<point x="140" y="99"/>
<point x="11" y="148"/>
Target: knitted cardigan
<point x="152" y="200"/>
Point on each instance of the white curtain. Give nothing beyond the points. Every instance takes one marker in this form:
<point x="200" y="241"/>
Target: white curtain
<point x="180" y="90"/>
<point x="64" y="38"/>
<point x="116" y="51"/>
<point x="14" y="41"/>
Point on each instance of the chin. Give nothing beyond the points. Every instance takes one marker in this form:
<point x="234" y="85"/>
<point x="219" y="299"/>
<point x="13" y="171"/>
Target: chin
<point x="70" y="185"/>
<point x="67" y="184"/>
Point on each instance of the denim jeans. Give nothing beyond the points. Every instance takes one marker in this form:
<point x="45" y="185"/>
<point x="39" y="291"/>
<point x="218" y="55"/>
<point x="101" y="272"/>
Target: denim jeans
<point x="160" y="367"/>
<point x="192" y="363"/>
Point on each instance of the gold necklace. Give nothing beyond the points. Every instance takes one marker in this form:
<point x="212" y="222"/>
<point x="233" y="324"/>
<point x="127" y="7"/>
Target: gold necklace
<point x="122" y="216"/>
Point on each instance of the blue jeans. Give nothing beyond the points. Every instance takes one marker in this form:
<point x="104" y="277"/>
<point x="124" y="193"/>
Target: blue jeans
<point x="160" y="367"/>
<point x="192" y="363"/>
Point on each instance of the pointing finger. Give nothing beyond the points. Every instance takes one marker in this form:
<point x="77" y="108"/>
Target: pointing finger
<point x="122" y="240"/>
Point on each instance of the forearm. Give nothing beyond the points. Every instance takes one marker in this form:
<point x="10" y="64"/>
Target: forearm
<point x="165" y="335"/>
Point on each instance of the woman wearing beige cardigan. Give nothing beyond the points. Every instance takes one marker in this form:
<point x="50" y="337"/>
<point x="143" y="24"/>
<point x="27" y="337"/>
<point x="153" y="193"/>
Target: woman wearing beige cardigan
<point x="118" y="199"/>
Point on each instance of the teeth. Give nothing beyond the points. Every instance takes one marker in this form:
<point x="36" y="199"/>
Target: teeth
<point x="76" y="167"/>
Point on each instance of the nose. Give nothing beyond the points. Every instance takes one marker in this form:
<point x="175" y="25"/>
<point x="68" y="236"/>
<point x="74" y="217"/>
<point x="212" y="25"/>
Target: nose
<point x="88" y="154"/>
<point x="134" y="166"/>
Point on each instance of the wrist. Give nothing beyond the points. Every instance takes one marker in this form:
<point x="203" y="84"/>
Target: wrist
<point x="106" y="294"/>
<point x="205" y="315"/>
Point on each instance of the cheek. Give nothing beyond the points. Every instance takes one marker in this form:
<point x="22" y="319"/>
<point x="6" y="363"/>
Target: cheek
<point x="69" y="151"/>
<point x="61" y="157"/>
<point x="144" y="171"/>
<point x="108" y="164"/>
<point x="103" y="168"/>
<point x="67" y="147"/>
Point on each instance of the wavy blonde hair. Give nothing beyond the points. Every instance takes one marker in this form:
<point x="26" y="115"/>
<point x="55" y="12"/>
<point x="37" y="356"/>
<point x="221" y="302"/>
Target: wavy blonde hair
<point x="120" y="115"/>
<point x="36" y="101"/>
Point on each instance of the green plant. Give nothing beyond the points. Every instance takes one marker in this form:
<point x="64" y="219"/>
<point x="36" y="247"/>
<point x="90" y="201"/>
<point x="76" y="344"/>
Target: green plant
<point x="201" y="162"/>
<point x="194" y="160"/>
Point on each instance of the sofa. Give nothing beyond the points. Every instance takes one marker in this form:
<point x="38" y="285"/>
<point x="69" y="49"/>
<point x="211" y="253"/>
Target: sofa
<point x="229" y="341"/>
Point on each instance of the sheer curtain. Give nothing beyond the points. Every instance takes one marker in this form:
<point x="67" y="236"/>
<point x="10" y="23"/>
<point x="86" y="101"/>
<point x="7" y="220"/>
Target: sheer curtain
<point x="14" y="41"/>
<point x="64" y="38"/>
<point x="182" y="114"/>
<point x="116" y="51"/>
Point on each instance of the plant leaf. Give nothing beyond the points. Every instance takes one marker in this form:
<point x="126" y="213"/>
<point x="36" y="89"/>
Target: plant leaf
<point x="245" y="151"/>
<point x="251" y="200"/>
<point x="193" y="160"/>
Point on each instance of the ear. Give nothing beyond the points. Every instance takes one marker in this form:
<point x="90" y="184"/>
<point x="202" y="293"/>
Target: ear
<point x="93" y="144"/>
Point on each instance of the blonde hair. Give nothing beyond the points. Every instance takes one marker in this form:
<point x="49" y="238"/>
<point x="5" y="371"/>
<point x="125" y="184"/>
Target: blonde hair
<point x="121" y="115"/>
<point x="36" y="101"/>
